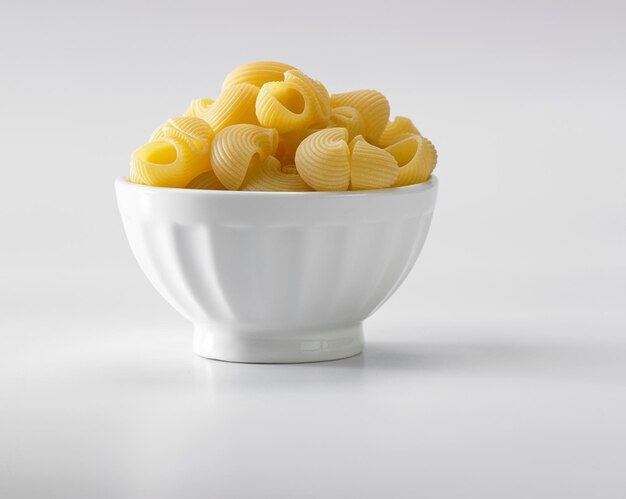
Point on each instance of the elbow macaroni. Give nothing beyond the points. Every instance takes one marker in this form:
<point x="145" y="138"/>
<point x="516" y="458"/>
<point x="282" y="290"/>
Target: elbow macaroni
<point x="397" y="130"/>
<point x="207" y="180"/>
<point x="323" y="160"/>
<point x="235" y="105"/>
<point x="239" y="147"/>
<point x="177" y="152"/>
<point x="371" y="167"/>
<point x="372" y="105"/>
<point x="349" y="118"/>
<point x="416" y="158"/>
<point x="269" y="175"/>
<point x="257" y="73"/>
<point x="273" y="128"/>
<point x="295" y="103"/>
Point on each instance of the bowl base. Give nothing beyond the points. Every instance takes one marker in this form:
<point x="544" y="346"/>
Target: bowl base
<point x="262" y="347"/>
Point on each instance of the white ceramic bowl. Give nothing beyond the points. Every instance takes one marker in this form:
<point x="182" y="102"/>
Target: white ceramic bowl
<point x="272" y="276"/>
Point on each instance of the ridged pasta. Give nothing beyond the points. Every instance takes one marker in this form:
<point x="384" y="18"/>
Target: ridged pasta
<point x="323" y="102"/>
<point x="416" y="157"/>
<point x="288" y="144"/>
<point x="235" y="105"/>
<point x="323" y="160"/>
<point x="295" y="103"/>
<point x="195" y="131"/>
<point x="274" y="128"/>
<point x="372" y="105"/>
<point x="237" y="148"/>
<point x="198" y="107"/>
<point x="268" y="175"/>
<point x="371" y="167"/>
<point x="167" y="163"/>
<point x="257" y="73"/>
<point x="208" y="181"/>
<point x="349" y="118"/>
<point x="396" y="130"/>
<point x="178" y="151"/>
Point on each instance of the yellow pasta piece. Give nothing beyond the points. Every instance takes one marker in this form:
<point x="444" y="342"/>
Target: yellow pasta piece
<point x="348" y="118"/>
<point x="178" y="151"/>
<point x="297" y="102"/>
<point x="371" y="167"/>
<point x="237" y="148"/>
<point x="372" y="105"/>
<point x="416" y="157"/>
<point x="195" y="131"/>
<point x="235" y="105"/>
<point x="198" y="107"/>
<point x="288" y="144"/>
<point x="167" y="163"/>
<point x="257" y="73"/>
<point x="268" y="175"/>
<point x="207" y="180"/>
<point x="323" y="160"/>
<point x="323" y="103"/>
<point x="396" y="130"/>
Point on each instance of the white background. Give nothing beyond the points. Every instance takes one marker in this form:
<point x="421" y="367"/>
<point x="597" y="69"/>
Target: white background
<point x="497" y="370"/>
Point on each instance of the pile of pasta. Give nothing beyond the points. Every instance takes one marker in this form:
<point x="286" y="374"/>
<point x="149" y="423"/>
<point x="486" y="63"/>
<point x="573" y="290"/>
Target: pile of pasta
<point x="273" y="128"/>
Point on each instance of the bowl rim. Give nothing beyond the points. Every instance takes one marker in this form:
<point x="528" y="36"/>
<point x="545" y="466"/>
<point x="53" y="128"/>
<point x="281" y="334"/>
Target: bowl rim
<point x="429" y="184"/>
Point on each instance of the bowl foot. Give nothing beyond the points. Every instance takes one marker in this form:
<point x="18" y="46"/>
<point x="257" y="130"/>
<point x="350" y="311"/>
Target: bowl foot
<point x="265" y="347"/>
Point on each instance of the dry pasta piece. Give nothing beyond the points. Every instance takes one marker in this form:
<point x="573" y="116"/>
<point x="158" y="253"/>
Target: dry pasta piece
<point x="396" y="130"/>
<point x="295" y="103"/>
<point x="257" y="73"/>
<point x="323" y="160"/>
<point x="416" y="157"/>
<point x="288" y="144"/>
<point x="198" y="107"/>
<point x="323" y="102"/>
<point x="268" y="175"/>
<point x="178" y="151"/>
<point x="291" y="169"/>
<point x="195" y="131"/>
<point x="207" y="180"/>
<point x="372" y="105"/>
<point x="167" y="163"/>
<point x="371" y="167"/>
<point x="235" y="105"/>
<point x="348" y="118"/>
<point x="237" y="148"/>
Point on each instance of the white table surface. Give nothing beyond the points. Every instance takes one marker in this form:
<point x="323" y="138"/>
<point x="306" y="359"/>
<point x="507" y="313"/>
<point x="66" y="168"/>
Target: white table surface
<point x="102" y="396"/>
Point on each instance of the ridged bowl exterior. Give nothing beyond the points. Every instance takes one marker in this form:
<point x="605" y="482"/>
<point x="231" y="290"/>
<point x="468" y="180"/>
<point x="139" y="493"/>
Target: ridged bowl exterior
<point x="276" y="263"/>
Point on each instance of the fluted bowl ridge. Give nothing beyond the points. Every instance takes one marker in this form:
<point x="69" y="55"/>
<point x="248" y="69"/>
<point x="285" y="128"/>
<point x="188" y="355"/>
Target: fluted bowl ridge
<point x="273" y="276"/>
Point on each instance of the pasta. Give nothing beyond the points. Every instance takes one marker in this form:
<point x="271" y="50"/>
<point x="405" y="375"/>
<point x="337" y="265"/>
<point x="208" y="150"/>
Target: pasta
<point x="288" y="144"/>
<point x="396" y="130"/>
<point x="323" y="160"/>
<point x="207" y="180"/>
<point x="237" y="148"/>
<point x="372" y="105"/>
<point x="274" y="128"/>
<point x="268" y="175"/>
<point x="198" y="107"/>
<point x="177" y="152"/>
<point x="257" y="73"/>
<point x="348" y="118"/>
<point x="371" y="167"/>
<point x="297" y="102"/>
<point x="196" y="132"/>
<point x="416" y="157"/>
<point x="235" y="105"/>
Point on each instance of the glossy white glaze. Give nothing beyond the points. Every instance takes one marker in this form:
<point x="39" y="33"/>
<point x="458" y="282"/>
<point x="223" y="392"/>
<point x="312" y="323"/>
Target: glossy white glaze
<point x="276" y="277"/>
